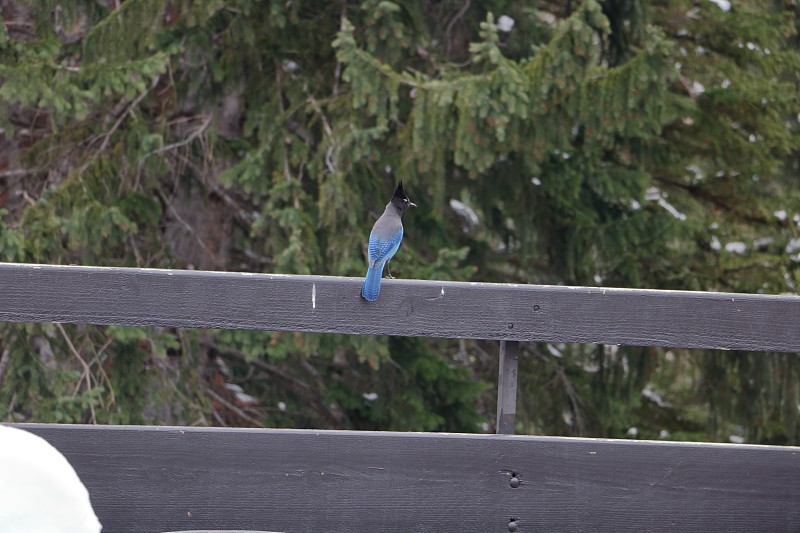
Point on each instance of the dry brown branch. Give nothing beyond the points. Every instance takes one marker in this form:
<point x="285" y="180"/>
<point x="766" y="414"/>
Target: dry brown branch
<point x="5" y="359"/>
<point x="87" y="372"/>
<point x="303" y="390"/>
<point x="228" y="405"/>
<point x="188" y="140"/>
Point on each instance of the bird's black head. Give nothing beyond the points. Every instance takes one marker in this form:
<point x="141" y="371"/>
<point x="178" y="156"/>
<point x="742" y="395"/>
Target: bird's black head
<point x="400" y="199"/>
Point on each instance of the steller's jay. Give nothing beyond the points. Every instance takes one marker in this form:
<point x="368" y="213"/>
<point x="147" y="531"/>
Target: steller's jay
<point x="384" y="240"/>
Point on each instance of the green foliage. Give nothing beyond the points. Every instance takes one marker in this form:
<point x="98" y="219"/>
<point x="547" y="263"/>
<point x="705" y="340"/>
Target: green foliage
<point x="419" y="392"/>
<point x="619" y="143"/>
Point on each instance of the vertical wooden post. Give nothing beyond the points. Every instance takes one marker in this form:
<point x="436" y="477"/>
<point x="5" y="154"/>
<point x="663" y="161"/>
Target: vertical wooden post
<point x="507" y="387"/>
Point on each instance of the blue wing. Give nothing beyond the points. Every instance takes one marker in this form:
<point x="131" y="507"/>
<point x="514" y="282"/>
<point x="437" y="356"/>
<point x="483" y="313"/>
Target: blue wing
<point x="381" y="250"/>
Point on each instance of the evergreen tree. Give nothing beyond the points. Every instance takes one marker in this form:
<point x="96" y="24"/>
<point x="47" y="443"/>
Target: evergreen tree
<point x="618" y="143"/>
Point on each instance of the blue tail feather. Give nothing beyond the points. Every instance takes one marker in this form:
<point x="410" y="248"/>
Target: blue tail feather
<point x="372" y="283"/>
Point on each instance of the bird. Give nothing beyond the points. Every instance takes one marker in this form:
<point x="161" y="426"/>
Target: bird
<point x="384" y="240"/>
<point x="39" y="489"/>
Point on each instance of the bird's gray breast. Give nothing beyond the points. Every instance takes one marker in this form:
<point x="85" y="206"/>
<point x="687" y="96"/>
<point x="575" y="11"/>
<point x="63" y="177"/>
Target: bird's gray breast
<point x="387" y="226"/>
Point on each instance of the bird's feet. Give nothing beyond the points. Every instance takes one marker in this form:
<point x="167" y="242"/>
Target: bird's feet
<point x="389" y="272"/>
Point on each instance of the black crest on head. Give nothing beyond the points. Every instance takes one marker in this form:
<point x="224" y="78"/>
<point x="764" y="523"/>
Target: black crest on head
<point x="400" y="199"/>
<point x="399" y="192"/>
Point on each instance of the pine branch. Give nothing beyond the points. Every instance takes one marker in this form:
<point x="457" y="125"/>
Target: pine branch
<point x="188" y="140"/>
<point x="107" y="138"/>
<point x="302" y="389"/>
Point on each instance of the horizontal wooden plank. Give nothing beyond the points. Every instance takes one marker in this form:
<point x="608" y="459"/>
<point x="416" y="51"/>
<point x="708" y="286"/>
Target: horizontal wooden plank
<point x="194" y="299"/>
<point x="167" y="478"/>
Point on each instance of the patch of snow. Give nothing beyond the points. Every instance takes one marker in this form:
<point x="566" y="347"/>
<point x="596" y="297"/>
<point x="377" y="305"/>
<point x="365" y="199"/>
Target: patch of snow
<point x="289" y="66"/>
<point x="736" y="439"/>
<point x="633" y="432"/>
<point x="239" y="393"/>
<point x="223" y="368"/>
<point x="370" y="396"/>
<point x="724" y="5"/>
<point x="598" y="279"/>
<point x="715" y="244"/>
<point x="553" y="350"/>
<point x="232" y="387"/>
<point x="698" y="88"/>
<point x="246" y="398"/>
<point x="592" y="367"/>
<point x="725" y="83"/>
<point x="781" y="214"/>
<point x="697" y="171"/>
<point x="664" y="434"/>
<point x="793" y="246"/>
<point x="654" y="397"/>
<point x="282" y="406"/>
<point x="669" y="207"/>
<point x="536" y="181"/>
<point x="465" y="212"/>
<point x="652" y="193"/>
<point x="567" y="417"/>
<point x="505" y="23"/>
<point x="762" y="243"/>
<point x="736" y="247"/>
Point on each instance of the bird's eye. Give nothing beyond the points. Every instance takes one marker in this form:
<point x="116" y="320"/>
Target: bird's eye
<point x="405" y="200"/>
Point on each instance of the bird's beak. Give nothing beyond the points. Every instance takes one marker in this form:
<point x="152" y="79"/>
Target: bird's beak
<point x="411" y="204"/>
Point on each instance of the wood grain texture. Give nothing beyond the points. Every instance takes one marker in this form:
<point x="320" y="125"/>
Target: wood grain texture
<point x="147" y="479"/>
<point x="145" y="297"/>
<point x="507" y="387"/>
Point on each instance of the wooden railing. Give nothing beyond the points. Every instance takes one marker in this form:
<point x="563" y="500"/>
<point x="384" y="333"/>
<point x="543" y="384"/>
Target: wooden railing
<point x="169" y="478"/>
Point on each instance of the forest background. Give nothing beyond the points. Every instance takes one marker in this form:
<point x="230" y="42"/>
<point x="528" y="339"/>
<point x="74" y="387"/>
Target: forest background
<point x="621" y="143"/>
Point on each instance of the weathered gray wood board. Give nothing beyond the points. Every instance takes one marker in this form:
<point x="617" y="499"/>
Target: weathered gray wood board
<point x="146" y="479"/>
<point x="507" y="387"/>
<point x="95" y="295"/>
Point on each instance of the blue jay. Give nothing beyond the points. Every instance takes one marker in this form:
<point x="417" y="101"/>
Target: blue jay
<point x="384" y="240"/>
